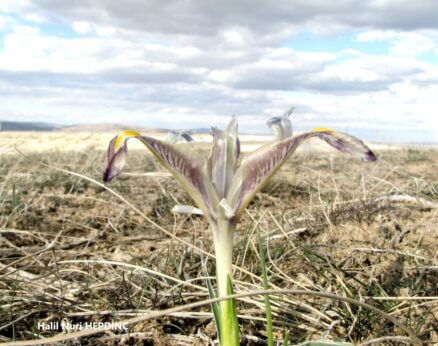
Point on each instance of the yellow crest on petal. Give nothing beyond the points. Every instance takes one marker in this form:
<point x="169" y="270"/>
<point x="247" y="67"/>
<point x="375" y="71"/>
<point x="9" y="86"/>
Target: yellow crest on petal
<point x="125" y="135"/>
<point x="319" y="129"/>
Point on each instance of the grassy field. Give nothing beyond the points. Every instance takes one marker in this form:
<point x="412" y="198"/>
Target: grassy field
<point x="70" y="249"/>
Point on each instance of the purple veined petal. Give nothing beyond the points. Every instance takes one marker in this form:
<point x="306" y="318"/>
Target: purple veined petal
<point x="115" y="160"/>
<point x="257" y="169"/>
<point x="185" y="170"/>
<point x="345" y="143"/>
<point x="188" y="172"/>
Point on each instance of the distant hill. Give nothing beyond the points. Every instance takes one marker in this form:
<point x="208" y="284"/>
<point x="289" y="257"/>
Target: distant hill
<point x="26" y="126"/>
<point x="105" y="128"/>
<point x="97" y="128"/>
<point x="200" y="130"/>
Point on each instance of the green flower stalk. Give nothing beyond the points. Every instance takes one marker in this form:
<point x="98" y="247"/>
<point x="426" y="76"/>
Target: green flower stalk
<point x="222" y="188"/>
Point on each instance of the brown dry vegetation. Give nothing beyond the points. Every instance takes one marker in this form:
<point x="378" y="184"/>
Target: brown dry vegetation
<point x="70" y="249"/>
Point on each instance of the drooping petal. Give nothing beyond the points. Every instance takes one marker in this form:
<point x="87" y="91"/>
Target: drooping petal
<point x="345" y="143"/>
<point x="186" y="170"/>
<point x="116" y="155"/>
<point x="256" y="170"/>
<point x="224" y="154"/>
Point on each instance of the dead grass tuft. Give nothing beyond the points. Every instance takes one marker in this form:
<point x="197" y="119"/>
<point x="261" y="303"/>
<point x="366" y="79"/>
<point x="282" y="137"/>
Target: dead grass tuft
<point x="69" y="249"/>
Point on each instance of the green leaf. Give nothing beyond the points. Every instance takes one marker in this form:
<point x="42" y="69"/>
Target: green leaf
<point x="265" y="287"/>
<point x="286" y="337"/>
<point x="232" y="302"/>
<point x="215" y="309"/>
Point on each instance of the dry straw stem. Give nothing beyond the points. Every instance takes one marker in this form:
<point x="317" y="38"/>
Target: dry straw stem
<point x="138" y="211"/>
<point x="291" y="225"/>
<point x="31" y="255"/>
<point x="174" y="237"/>
<point x="307" y="307"/>
<point x="378" y="341"/>
<point x="63" y="337"/>
<point x="148" y="174"/>
<point x="394" y="198"/>
<point x="297" y="302"/>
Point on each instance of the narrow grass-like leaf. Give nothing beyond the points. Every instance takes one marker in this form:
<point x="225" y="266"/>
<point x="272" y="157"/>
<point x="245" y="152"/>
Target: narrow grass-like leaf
<point x="286" y="337"/>
<point x="266" y="287"/>
<point x="215" y="308"/>
<point x="233" y="316"/>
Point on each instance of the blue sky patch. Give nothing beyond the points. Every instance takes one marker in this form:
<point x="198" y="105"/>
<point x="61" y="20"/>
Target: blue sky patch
<point x="310" y="42"/>
<point x="428" y="57"/>
<point x="53" y="27"/>
<point x="58" y="30"/>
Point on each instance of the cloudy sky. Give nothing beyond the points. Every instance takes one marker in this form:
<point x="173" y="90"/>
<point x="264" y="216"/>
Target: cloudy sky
<point x="366" y="67"/>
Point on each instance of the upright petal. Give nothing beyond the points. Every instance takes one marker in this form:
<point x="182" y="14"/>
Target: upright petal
<point x="224" y="154"/>
<point x="186" y="170"/>
<point x="287" y="123"/>
<point x="256" y="170"/>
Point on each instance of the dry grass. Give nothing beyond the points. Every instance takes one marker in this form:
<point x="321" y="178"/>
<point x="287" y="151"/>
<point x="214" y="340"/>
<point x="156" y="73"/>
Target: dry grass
<point x="70" y="249"/>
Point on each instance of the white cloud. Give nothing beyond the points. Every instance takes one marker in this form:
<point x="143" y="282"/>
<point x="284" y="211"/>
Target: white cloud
<point x="233" y="37"/>
<point x="199" y="63"/>
<point x="33" y="17"/>
<point x="407" y="44"/>
<point x="13" y="6"/>
<point x="4" y="22"/>
<point x="376" y="35"/>
<point x="413" y="43"/>
<point x="105" y="31"/>
<point x="82" y="27"/>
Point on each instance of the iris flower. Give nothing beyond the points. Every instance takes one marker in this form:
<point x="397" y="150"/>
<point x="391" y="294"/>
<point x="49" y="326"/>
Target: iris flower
<point x="281" y="126"/>
<point x="178" y="136"/>
<point x="223" y="186"/>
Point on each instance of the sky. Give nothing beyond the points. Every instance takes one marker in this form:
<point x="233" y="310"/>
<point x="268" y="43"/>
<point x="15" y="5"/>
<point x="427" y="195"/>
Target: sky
<point x="369" y="68"/>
